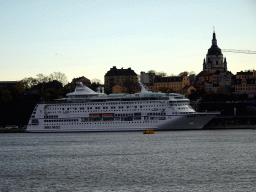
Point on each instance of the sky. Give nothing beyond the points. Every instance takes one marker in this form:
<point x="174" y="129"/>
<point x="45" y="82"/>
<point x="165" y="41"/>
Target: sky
<point x="88" y="37"/>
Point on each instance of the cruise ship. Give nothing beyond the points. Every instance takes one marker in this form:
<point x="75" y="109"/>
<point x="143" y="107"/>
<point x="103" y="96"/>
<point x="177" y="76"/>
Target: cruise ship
<point x="85" y="110"/>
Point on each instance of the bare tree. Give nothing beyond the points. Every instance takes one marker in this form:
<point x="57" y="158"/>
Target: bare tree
<point x="184" y="73"/>
<point x="29" y="82"/>
<point x="171" y="75"/>
<point x="42" y="79"/>
<point x="192" y="73"/>
<point x="58" y="76"/>
<point x="152" y="71"/>
<point x="96" y="81"/>
<point x="162" y="74"/>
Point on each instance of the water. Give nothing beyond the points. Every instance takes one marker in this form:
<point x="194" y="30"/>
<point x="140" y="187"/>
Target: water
<point x="222" y="160"/>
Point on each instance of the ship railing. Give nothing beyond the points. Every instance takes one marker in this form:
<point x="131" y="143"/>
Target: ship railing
<point x="64" y="101"/>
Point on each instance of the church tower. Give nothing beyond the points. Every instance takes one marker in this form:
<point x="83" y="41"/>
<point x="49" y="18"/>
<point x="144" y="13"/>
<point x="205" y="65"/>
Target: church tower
<point x="214" y="59"/>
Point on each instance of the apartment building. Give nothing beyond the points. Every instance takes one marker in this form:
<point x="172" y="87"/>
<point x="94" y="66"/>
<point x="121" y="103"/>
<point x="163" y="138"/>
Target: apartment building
<point x="123" y="77"/>
<point x="175" y="83"/>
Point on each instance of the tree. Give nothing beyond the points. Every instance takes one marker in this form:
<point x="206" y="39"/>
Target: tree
<point x="220" y="90"/>
<point x="18" y="88"/>
<point x="53" y="84"/>
<point x="192" y="73"/>
<point x="29" y="82"/>
<point x="96" y="81"/>
<point x="201" y="91"/>
<point x="42" y="79"/>
<point x="152" y="71"/>
<point x="161" y="74"/>
<point x="53" y="93"/>
<point x="6" y="96"/>
<point x="163" y="89"/>
<point x="184" y="73"/>
<point x="58" y="76"/>
<point x="47" y="97"/>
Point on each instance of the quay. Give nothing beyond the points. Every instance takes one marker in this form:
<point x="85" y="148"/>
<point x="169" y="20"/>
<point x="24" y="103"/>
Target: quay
<point x="231" y="122"/>
<point x="13" y="129"/>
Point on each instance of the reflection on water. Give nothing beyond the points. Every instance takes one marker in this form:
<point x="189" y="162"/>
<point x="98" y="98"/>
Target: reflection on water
<point x="222" y="160"/>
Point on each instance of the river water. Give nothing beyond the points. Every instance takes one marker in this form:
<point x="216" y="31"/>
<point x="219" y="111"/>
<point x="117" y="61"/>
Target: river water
<point x="205" y="160"/>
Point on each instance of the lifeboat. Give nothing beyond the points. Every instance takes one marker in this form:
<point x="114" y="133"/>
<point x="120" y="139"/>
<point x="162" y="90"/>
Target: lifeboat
<point x="107" y="115"/>
<point x="94" y="115"/>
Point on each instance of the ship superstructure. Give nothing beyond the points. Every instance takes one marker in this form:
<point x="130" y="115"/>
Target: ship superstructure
<point x="86" y="110"/>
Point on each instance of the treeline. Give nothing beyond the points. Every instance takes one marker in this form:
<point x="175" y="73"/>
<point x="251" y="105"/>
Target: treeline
<point x="41" y="78"/>
<point x="18" y="100"/>
<point x="164" y="74"/>
<point x="45" y="87"/>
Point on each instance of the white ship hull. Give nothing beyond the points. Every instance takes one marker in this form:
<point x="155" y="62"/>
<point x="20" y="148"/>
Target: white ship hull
<point x="98" y="112"/>
<point x="175" y="122"/>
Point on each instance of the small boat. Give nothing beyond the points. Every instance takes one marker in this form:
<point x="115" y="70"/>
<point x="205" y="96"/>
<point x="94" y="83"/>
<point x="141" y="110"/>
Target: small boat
<point x="11" y="127"/>
<point x="148" y="132"/>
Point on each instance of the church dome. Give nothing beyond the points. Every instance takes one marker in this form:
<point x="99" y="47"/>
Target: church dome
<point x="214" y="49"/>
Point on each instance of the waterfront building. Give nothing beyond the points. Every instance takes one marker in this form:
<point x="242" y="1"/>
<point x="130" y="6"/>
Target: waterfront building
<point x="188" y="90"/>
<point x="225" y="79"/>
<point x="118" y="89"/>
<point x="82" y="79"/>
<point x="246" y="74"/>
<point x="203" y="76"/>
<point x="123" y="77"/>
<point x="245" y="85"/>
<point x="215" y="76"/>
<point x="219" y="79"/>
<point x="8" y="84"/>
<point x="147" y="78"/>
<point x="175" y="83"/>
<point x="245" y="82"/>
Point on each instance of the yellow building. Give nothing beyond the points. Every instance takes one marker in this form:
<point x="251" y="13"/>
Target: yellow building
<point x="242" y="85"/>
<point x="82" y="79"/>
<point x="123" y="77"/>
<point x="118" y="89"/>
<point x="188" y="90"/>
<point x="246" y="75"/>
<point x="171" y="83"/>
<point x="150" y="87"/>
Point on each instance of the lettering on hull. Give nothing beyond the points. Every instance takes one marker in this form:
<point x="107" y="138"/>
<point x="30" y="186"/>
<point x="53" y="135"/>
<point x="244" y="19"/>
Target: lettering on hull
<point x="51" y="127"/>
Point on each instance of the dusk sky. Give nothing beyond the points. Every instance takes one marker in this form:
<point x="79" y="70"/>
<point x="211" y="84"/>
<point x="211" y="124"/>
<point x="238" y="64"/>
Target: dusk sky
<point x="88" y="37"/>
